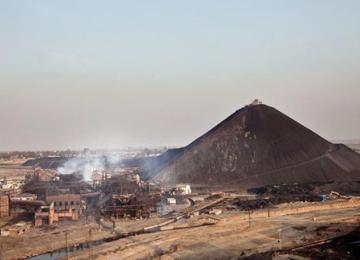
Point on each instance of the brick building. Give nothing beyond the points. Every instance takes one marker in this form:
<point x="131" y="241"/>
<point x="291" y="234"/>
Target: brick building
<point x="64" y="206"/>
<point x="66" y="202"/>
<point x="4" y="206"/>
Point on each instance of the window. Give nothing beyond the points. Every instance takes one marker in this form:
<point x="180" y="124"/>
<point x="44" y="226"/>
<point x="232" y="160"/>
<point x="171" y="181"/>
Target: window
<point x="54" y="204"/>
<point x="66" y="203"/>
<point x="72" y="203"/>
<point x="60" y="203"/>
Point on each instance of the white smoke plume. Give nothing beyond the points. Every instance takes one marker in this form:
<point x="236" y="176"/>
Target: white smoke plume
<point x="86" y="165"/>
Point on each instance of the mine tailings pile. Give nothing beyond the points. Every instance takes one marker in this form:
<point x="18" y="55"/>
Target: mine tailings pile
<point x="258" y="146"/>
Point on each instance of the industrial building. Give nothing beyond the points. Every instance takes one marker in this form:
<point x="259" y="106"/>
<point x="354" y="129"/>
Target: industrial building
<point x="65" y="206"/>
<point x="4" y="206"/>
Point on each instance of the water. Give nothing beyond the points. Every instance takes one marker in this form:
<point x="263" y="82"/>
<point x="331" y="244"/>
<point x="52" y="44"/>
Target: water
<point x="62" y="252"/>
<point x="49" y="256"/>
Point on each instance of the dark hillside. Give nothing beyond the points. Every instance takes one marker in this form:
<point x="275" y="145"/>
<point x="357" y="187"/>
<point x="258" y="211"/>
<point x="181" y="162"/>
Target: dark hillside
<point x="258" y="145"/>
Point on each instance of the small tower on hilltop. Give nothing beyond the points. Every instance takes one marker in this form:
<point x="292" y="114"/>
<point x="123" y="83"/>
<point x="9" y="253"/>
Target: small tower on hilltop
<point x="256" y="102"/>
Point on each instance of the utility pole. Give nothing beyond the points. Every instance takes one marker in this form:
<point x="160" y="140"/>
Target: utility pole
<point x="249" y="218"/>
<point x="279" y="241"/>
<point x="89" y="243"/>
<point x="66" y="243"/>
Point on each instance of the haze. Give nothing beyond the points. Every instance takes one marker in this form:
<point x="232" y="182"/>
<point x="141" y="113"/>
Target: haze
<point x="112" y="74"/>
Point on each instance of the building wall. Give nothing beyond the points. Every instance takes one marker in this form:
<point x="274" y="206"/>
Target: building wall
<point x="66" y="202"/>
<point x="4" y="206"/>
<point x="46" y="217"/>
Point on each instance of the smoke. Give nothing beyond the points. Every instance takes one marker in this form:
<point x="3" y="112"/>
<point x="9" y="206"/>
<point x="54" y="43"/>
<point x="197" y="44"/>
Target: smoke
<point x="86" y="165"/>
<point x="89" y="161"/>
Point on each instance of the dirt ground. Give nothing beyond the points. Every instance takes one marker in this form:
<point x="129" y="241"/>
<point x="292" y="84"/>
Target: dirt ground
<point x="231" y="237"/>
<point x="49" y="238"/>
<point x="39" y="240"/>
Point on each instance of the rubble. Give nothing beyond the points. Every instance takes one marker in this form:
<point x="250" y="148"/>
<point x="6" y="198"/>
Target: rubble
<point x="15" y="230"/>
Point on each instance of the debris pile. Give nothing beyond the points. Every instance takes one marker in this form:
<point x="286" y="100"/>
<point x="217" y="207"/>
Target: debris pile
<point x="258" y="146"/>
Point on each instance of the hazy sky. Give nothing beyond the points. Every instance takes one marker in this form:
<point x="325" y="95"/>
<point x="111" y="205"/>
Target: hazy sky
<point x="109" y="74"/>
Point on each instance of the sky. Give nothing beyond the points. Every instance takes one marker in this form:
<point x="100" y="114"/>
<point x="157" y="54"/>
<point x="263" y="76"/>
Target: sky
<point x="113" y="74"/>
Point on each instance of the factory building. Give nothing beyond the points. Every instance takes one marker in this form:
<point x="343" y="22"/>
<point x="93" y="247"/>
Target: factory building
<point x="66" y="202"/>
<point x="4" y="206"/>
<point x="65" y="206"/>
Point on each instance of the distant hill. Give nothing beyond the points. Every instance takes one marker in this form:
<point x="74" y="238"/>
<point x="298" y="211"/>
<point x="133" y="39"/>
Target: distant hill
<point x="46" y="162"/>
<point x="257" y="146"/>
